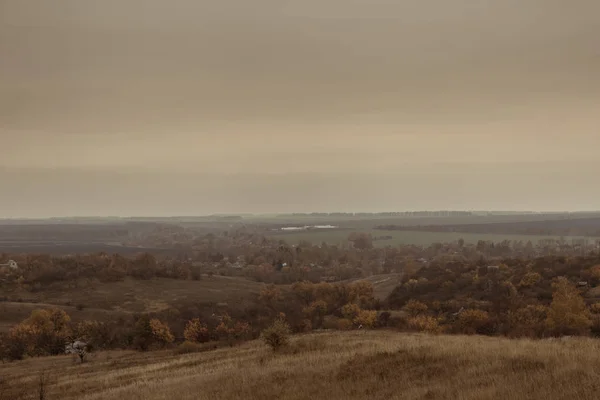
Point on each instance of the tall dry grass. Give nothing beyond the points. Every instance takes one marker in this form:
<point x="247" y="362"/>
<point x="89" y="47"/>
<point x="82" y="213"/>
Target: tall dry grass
<point x="336" y="365"/>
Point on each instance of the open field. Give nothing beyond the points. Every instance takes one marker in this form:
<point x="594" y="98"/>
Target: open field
<point x="110" y="235"/>
<point x="350" y="365"/>
<point x="562" y="227"/>
<point x="338" y="236"/>
<point x="102" y="301"/>
<point x="144" y="295"/>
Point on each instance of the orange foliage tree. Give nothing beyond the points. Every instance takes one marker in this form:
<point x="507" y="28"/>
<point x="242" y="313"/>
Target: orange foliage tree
<point x="196" y="332"/>
<point x="568" y="314"/>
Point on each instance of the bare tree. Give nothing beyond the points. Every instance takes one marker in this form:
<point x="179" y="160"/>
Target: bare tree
<point x="78" y="348"/>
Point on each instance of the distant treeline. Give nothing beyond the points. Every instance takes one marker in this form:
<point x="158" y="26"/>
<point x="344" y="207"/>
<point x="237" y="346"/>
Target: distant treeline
<point x="562" y="227"/>
<point x="385" y="214"/>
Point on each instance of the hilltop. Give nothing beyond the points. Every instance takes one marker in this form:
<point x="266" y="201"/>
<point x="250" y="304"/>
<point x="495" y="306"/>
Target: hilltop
<point x="329" y="365"/>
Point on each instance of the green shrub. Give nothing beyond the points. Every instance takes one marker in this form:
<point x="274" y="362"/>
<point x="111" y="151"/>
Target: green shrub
<point x="276" y="335"/>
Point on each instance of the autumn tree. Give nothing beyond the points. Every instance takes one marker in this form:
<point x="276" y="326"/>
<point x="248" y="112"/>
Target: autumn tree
<point x="366" y="318"/>
<point x="472" y="321"/>
<point x="150" y="333"/>
<point x="43" y="333"/>
<point x="530" y="279"/>
<point x="528" y="321"/>
<point x="350" y="311"/>
<point x="196" y="332"/>
<point x="361" y="241"/>
<point x="568" y="314"/>
<point x="270" y="296"/>
<point x="414" y="308"/>
<point x="160" y="332"/>
<point x="231" y="331"/>
<point x="316" y="312"/>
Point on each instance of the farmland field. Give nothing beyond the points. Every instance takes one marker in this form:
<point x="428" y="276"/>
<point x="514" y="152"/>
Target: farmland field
<point x="103" y="301"/>
<point x="400" y="237"/>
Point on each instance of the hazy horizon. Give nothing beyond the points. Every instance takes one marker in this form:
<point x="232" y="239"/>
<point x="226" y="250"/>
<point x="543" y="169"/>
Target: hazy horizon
<point x="188" y="107"/>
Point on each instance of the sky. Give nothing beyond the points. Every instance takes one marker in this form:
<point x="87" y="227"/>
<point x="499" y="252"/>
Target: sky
<point x="191" y="107"/>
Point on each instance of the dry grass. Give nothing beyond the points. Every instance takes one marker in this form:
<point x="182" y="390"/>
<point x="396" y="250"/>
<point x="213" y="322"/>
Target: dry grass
<point x="140" y="295"/>
<point x="350" y="365"/>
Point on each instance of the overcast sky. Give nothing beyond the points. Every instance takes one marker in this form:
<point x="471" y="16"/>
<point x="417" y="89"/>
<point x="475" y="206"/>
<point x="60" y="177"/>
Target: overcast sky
<point x="133" y="107"/>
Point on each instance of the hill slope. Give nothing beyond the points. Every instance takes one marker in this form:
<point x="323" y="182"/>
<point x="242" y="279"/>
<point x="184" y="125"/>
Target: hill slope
<point x="332" y="365"/>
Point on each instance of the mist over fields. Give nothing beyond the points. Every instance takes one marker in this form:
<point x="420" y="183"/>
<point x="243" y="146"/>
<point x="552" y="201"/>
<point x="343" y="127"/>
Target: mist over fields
<point x="186" y="107"/>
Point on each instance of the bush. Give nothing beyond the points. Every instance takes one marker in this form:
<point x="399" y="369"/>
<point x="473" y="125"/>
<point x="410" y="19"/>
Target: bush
<point x="343" y="324"/>
<point x="472" y="321"/>
<point x="528" y="321"/>
<point x="366" y="318"/>
<point x="383" y="319"/>
<point x="424" y="323"/>
<point x="276" y="335"/>
<point x="415" y="308"/>
<point x="306" y="325"/>
<point x="189" y="347"/>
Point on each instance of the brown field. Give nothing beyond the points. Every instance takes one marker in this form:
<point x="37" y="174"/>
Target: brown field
<point x="102" y="301"/>
<point x="383" y="284"/>
<point x="350" y="365"/>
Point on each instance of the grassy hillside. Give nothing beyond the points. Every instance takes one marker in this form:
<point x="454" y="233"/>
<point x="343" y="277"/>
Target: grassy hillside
<point x="93" y="300"/>
<point x="350" y="365"/>
<point x="141" y="295"/>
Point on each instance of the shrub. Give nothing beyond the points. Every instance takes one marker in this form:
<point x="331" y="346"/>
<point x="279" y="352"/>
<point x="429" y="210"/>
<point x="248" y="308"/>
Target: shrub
<point x="414" y="308"/>
<point x="423" y="323"/>
<point x="343" y="324"/>
<point x="366" y="318"/>
<point x="190" y="347"/>
<point x="383" y="319"/>
<point x="528" y="321"/>
<point x="306" y="325"/>
<point x="472" y="321"/>
<point x="276" y="335"/>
